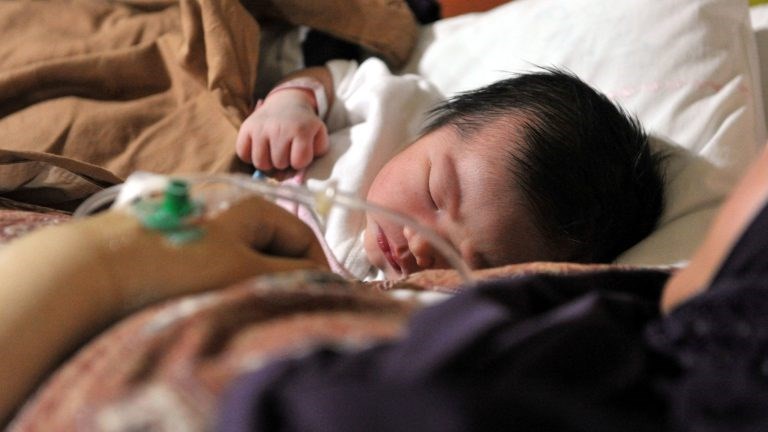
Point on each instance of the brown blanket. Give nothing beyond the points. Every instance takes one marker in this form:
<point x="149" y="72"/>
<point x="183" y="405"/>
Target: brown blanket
<point x="91" y="91"/>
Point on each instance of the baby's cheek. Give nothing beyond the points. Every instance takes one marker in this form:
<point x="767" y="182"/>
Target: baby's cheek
<point x="469" y="254"/>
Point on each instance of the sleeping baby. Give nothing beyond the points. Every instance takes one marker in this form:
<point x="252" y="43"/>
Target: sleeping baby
<point x="535" y="167"/>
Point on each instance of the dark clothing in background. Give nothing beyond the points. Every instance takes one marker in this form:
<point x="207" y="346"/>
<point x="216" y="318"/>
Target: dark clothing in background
<point x="570" y="353"/>
<point x="718" y="344"/>
<point x="529" y="353"/>
<point x="319" y="47"/>
<point x="426" y="11"/>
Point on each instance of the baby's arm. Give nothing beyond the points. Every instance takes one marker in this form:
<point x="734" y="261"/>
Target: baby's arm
<point x="287" y="128"/>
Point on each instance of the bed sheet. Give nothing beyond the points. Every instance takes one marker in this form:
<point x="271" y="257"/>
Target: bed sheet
<point x="688" y="69"/>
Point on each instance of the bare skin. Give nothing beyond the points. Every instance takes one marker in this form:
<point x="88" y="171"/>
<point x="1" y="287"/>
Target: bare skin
<point x="285" y="130"/>
<point x="90" y="272"/>
<point x="735" y="215"/>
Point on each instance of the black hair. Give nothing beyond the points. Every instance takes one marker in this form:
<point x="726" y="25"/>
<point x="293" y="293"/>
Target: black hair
<point x="585" y="168"/>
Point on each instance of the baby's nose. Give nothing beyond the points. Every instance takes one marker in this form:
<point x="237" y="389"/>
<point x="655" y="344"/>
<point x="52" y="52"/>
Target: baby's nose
<point x="420" y="248"/>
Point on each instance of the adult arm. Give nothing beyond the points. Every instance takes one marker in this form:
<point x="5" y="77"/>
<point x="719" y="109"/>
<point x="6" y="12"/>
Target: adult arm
<point x="61" y="284"/>
<point x="733" y="218"/>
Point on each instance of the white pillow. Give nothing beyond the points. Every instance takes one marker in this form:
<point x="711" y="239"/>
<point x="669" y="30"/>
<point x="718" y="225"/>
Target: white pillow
<point x="759" y="18"/>
<point x="687" y="68"/>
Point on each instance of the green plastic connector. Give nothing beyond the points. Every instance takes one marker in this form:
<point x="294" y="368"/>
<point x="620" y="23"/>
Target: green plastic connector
<point x="170" y="215"/>
<point x="177" y="202"/>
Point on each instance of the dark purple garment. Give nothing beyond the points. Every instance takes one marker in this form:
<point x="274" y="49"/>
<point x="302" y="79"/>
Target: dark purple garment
<point x="425" y="11"/>
<point x="528" y="353"/>
<point x="718" y="343"/>
<point x="543" y="353"/>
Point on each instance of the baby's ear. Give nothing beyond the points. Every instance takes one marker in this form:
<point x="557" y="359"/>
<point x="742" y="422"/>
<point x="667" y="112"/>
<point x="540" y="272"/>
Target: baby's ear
<point x="385" y="27"/>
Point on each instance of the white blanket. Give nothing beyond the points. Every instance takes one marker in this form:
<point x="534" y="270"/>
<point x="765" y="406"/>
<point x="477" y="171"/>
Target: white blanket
<point x="374" y="116"/>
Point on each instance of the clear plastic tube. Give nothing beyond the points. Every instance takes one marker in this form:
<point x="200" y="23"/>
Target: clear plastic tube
<point x="98" y="201"/>
<point x="238" y="186"/>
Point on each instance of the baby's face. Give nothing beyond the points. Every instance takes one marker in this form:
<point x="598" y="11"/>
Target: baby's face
<point x="458" y="189"/>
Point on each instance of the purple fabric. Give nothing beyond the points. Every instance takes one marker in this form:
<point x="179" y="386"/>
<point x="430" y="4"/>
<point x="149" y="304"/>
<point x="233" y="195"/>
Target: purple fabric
<point x="530" y="353"/>
<point x="568" y="353"/>
<point x="718" y="343"/>
<point x="426" y="11"/>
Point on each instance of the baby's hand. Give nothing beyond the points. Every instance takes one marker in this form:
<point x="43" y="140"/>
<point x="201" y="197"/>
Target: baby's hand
<point x="283" y="132"/>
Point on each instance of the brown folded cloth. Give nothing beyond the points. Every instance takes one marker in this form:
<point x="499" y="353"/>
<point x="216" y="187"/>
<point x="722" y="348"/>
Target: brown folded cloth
<point x="91" y="91"/>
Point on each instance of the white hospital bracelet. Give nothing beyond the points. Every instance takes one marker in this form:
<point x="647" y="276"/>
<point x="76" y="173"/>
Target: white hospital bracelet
<point x="311" y="84"/>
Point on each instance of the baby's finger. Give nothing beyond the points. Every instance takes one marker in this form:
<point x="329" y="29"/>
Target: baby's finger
<point x="243" y="146"/>
<point x="260" y="154"/>
<point x="301" y="152"/>
<point x="280" y="150"/>
<point x="321" y="143"/>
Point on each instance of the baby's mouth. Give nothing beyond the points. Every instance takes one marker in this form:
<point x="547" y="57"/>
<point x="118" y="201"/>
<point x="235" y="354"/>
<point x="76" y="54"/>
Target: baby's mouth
<point x="383" y="242"/>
